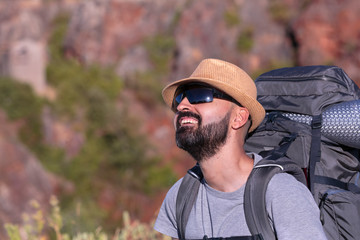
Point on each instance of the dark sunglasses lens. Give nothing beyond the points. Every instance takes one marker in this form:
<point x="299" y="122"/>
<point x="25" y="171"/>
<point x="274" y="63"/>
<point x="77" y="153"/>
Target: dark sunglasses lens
<point x="179" y="97"/>
<point x="194" y="96"/>
<point x="199" y="95"/>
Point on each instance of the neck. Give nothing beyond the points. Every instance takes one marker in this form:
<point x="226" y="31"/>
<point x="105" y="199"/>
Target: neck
<point x="229" y="169"/>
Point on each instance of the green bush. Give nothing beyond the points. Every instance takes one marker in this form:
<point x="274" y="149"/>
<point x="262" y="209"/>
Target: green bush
<point x="22" y="105"/>
<point x="148" y="85"/>
<point x="245" y="40"/>
<point x="231" y="17"/>
<point x="279" y="11"/>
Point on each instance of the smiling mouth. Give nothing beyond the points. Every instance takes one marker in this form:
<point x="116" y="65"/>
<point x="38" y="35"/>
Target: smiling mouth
<point x="188" y="121"/>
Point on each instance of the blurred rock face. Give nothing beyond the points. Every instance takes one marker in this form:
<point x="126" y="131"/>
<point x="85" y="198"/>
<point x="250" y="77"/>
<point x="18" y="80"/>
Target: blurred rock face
<point x="23" y="46"/>
<point x="22" y="178"/>
<point x="329" y="34"/>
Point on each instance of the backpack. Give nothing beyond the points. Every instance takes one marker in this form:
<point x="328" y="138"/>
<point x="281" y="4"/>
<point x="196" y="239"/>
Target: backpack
<point x="301" y="103"/>
<point x="313" y="117"/>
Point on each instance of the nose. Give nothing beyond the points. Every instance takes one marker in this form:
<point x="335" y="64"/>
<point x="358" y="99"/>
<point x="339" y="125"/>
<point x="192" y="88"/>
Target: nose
<point x="184" y="105"/>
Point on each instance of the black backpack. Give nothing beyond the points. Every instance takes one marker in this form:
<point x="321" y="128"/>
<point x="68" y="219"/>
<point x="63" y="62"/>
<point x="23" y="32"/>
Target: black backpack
<point x="301" y="103"/>
<point x="315" y="111"/>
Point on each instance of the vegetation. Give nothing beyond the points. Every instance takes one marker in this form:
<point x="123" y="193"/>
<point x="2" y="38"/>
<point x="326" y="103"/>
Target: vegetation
<point x="245" y="40"/>
<point x="38" y="226"/>
<point x="272" y="65"/>
<point x="13" y="95"/>
<point x="231" y="17"/>
<point x="147" y="85"/>
<point x="114" y="151"/>
<point x="279" y="11"/>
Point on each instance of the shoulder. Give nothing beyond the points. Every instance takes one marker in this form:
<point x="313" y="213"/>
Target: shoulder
<point x="284" y="182"/>
<point x="173" y="192"/>
<point x="285" y="187"/>
<point x="279" y="181"/>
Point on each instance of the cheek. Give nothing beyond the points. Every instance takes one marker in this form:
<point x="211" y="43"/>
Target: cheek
<point x="214" y="114"/>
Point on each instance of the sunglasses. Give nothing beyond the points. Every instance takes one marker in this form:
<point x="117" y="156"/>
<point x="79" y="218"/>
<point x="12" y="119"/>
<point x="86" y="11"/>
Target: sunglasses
<point x="198" y="94"/>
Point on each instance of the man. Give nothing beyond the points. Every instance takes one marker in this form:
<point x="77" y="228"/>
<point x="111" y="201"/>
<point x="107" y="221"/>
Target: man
<point x="215" y="108"/>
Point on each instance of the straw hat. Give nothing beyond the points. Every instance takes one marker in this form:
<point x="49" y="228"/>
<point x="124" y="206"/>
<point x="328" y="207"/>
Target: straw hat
<point x="228" y="78"/>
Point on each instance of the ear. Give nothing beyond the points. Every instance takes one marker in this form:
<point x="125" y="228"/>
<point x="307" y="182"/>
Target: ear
<point x="241" y="117"/>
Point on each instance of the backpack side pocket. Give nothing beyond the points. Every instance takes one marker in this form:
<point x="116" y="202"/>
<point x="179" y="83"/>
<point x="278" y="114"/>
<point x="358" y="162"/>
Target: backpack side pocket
<point x="340" y="214"/>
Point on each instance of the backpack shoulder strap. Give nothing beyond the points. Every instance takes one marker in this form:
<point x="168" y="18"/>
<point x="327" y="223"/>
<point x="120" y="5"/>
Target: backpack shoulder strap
<point x="186" y="198"/>
<point x="255" y="190"/>
<point x="315" y="149"/>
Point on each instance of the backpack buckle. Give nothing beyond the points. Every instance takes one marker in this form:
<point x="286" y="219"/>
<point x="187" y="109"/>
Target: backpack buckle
<point x="270" y="120"/>
<point x="316" y="122"/>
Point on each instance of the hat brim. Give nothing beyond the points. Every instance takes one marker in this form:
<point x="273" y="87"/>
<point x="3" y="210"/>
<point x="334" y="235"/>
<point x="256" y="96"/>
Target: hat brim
<point x="255" y="109"/>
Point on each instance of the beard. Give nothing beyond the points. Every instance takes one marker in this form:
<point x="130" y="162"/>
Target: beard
<point x="205" y="141"/>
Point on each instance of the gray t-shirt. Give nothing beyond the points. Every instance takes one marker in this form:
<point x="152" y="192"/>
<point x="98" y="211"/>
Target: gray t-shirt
<point x="290" y="205"/>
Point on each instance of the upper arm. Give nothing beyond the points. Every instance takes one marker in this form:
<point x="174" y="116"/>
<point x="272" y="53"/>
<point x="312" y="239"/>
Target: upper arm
<point x="292" y="209"/>
<point x="166" y="220"/>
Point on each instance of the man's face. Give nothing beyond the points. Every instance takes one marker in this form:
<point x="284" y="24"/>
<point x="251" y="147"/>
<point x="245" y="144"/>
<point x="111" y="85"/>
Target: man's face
<point x="201" y="141"/>
<point x="201" y="129"/>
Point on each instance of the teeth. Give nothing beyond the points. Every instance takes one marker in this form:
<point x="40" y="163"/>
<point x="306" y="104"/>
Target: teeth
<point x="184" y="121"/>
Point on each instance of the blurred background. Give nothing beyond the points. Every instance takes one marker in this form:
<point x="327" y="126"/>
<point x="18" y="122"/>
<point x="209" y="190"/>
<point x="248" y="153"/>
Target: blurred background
<point x="83" y="128"/>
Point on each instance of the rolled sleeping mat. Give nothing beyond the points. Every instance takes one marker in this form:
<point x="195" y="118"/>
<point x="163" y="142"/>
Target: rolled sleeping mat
<point x="340" y="123"/>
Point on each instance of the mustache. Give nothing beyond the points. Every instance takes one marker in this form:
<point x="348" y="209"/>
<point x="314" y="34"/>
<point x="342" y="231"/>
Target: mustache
<point x="187" y="114"/>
